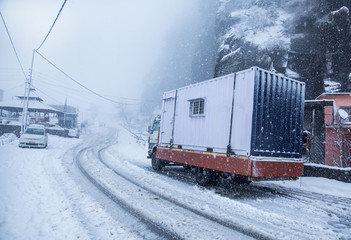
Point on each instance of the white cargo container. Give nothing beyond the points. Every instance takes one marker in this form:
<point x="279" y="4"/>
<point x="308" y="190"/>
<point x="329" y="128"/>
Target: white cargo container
<point x="255" y="112"/>
<point x="248" y="115"/>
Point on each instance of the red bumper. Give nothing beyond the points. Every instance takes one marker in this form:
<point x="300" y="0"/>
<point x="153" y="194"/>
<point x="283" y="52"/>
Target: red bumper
<point x="276" y="169"/>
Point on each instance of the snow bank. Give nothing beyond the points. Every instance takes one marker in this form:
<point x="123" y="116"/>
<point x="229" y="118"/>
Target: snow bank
<point x="32" y="206"/>
<point x="7" y="138"/>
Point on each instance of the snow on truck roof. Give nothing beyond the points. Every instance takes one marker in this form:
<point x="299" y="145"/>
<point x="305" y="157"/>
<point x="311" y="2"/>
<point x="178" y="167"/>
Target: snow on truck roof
<point x="169" y="93"/>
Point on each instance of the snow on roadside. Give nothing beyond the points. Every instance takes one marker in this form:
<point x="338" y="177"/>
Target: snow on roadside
<point x="31" y="205"/>
<point x="317" y="185"/>
<point x="7" y="138"/>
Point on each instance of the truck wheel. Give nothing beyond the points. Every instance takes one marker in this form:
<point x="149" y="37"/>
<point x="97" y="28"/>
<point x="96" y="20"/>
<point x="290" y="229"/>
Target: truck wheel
<point x="187" y="167"/>
<point x="240" y="179"/>
<point x="156" y="163"/>
<point x="204" y="176"/>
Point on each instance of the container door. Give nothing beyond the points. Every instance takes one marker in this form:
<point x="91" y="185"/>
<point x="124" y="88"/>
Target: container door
<point x="167" y="120"/>
<point x="277" y="116"/>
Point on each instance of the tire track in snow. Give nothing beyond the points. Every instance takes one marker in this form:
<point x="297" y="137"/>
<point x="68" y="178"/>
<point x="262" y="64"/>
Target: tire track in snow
<point x="161" y="225"/>
<point x="101" y="218"/>
<point x="330" y="206"/>
<point x="246" y="231"/>
<point x="162" y="232"/>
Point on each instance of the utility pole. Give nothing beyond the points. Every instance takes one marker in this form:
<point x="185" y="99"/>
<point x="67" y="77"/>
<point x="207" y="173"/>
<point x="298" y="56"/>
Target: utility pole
<point x="24" y="105"/>
<point x="64" y="113"/>
<point x="26" y="96"/>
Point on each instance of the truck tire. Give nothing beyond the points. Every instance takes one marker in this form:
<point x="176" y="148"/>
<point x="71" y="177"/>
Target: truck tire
<point x="187" y="167"/>
<point x="239" y="179"/>
<point x="205" y="176"/>
<point x="156" y="163"/>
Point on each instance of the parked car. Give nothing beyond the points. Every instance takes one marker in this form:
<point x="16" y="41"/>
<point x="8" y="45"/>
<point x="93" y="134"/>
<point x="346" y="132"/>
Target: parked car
<point x="73" y="132"/>
<point x="34" y="136"/>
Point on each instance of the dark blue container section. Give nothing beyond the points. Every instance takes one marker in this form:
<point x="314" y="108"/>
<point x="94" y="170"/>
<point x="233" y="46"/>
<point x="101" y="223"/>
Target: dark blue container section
<point x="277" y="124"/>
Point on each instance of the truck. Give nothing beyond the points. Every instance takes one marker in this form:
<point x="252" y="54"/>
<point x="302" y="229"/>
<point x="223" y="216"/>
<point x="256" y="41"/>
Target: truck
<point x="153" y="135"/>
<point x="247" y="125"/>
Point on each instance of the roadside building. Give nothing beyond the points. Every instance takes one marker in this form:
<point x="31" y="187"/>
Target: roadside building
<point x="327" y="131"/>
<point x="11" y="111"/>
<point x="57" y="119"/>
<point x="68" y="117"/>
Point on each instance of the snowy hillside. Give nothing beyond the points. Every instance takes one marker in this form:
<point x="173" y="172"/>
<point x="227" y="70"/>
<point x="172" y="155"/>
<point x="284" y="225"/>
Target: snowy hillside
<point x="308" y="40"/>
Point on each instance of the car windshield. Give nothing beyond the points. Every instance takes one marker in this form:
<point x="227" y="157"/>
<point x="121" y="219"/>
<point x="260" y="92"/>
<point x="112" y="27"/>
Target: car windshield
<point x="36" y="131"/>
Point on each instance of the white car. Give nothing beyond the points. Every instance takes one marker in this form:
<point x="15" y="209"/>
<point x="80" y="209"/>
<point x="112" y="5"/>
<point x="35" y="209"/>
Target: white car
<point x="73" y="132"/>
<point x="34" y="136"/>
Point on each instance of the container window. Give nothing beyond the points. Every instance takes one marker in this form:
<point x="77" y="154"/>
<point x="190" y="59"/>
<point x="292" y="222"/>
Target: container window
<point x="197" y="107"/>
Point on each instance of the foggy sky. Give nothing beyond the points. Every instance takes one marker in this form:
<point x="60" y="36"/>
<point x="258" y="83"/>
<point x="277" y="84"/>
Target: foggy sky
<point x="108" y="46"/>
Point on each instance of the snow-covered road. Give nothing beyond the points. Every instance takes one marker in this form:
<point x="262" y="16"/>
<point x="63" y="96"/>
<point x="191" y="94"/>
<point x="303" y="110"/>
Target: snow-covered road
<point x="103" y="187"/>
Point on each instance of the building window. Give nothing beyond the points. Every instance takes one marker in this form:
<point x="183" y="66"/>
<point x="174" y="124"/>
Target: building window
<point x="197" y="107"/>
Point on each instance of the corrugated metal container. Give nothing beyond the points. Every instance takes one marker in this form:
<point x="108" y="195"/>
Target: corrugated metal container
<point x="252" y="112"/>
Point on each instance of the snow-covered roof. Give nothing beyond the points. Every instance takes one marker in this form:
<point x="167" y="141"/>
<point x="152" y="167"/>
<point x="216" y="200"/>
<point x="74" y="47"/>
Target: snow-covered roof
<point x="335" y="93"/>
<point x="33" y="106"/>
<point x="68" y="109"/>
<point x="322" y="102"/>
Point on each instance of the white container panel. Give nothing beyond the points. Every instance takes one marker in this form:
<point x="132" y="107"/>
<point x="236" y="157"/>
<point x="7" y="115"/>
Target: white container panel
<point x="243" y="109"/>
<point x="212" y="129"/>
<point x="267" y="115"/>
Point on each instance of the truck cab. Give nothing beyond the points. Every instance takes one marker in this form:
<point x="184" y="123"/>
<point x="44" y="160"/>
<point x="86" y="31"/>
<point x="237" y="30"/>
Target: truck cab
<point x="153" y="135"/>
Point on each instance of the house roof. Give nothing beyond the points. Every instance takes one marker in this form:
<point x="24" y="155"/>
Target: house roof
<point x="318" y="103"/>
<point x="68" y="109"/>
<point x="16" y="105"/>
<point x="335" y="93"/>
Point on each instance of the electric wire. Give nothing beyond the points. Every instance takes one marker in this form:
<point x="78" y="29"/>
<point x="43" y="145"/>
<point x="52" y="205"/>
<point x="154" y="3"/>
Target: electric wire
<point x="134" y="99"/>
<point x="48" y="82"/>
<point x="13" y="46"/>
<point x="44" y="78"/>
<point x="15" y="87"/>
<point x="93" y="92"/>
<point x="52" y="26"/>
<point x="37" y="89"/>
<point x="51" y="89"/>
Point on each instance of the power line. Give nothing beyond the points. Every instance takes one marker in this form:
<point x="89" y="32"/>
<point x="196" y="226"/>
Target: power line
<point x="135" y="99"/>
<point x="46" y="82"/>
<point x="52" y="26"/>
<point x="13" y="46"/>
<point x="49" y="81"/>
<point x="10" y="89"/>
<point x="37" y="89"/>
<point x="95" y="93"/>
<point x="73" y="93"/>
<point x="41" y="77"/>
